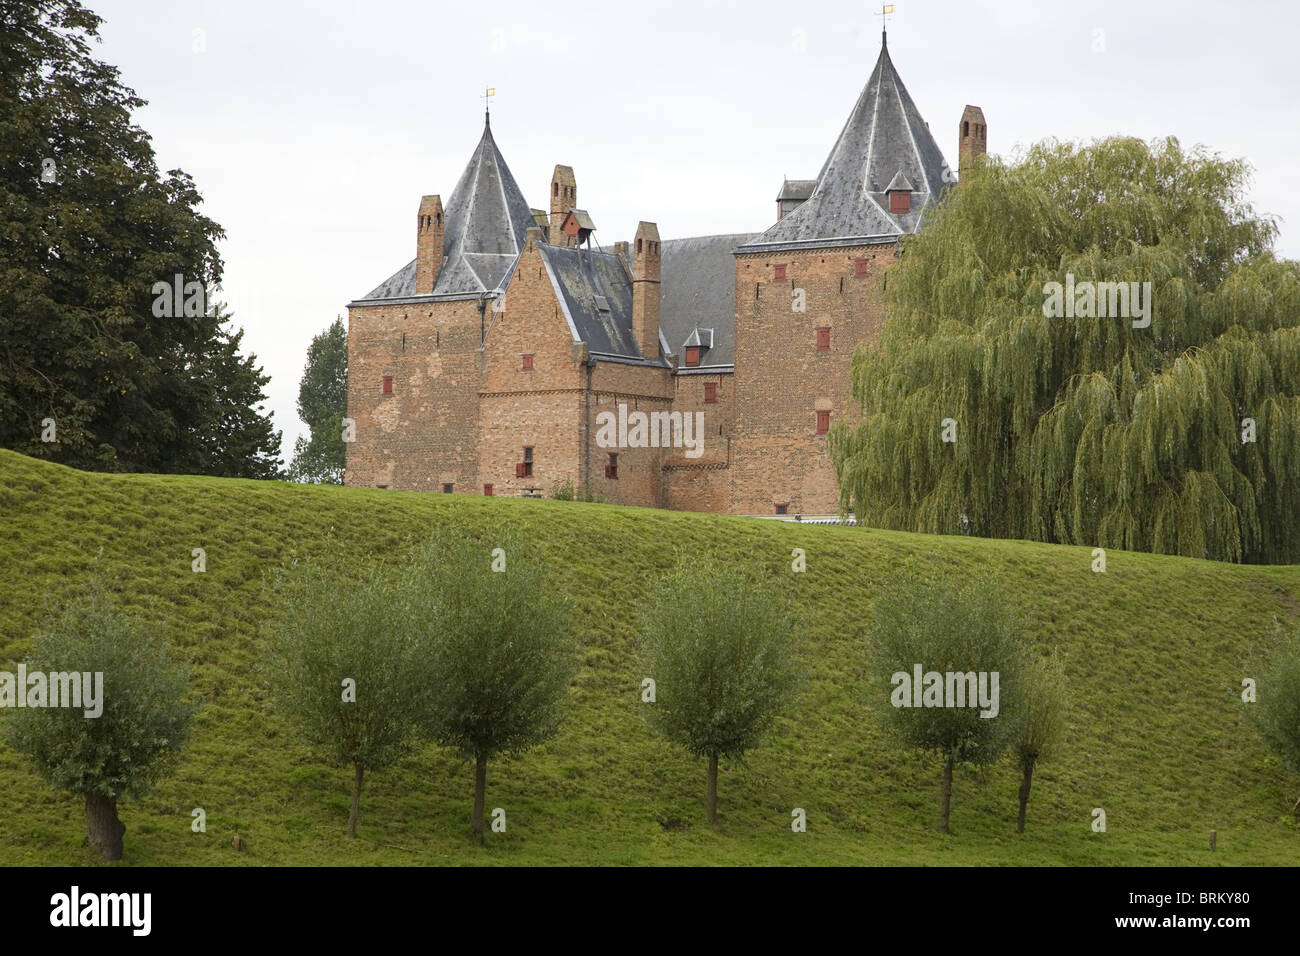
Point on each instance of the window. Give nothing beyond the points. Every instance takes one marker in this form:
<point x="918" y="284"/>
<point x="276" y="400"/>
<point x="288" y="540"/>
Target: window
<point x="555" y="189"/>
<point x="611" y="470"/>
<point x="388" y="385"/>
<point x="528" y="362"/>
<point x="710" y="393"/>
<point x="487" y="490"/>
<point x="823" y="421"/>
<point x="778" y="272"/>
<point x="638" y="245"/>
<point x="860" y="267"/>
<point x="900" y="201"/>
<point x="525" y="468"/>
<point x="692" y="355"/>
<point x="782" y="509"/>
<point x="381" y="486"/>
<point x="965" y="127"/>
<point x="446" y="488"/>
<point x="824" y="339"/>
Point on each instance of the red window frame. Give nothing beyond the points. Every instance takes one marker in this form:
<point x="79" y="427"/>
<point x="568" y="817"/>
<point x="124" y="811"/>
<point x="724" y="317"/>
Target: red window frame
<point x="859" y="268"/>
<point x="710" y="393"/>
<point x="778" y="272"/>
<point x="823" y="421"/>
<point x="900" y="201"/>
<point x="388" y="385"/>
<point x="487" y="489"/>
<point x="692" y="355"/>
<point x="527" y="363"/>
<point x="611" y="469"/>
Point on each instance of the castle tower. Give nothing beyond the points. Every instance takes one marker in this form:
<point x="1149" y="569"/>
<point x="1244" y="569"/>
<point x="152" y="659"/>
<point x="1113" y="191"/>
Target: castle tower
<point x="564" y="196"/>
<point x="645" y="289"/>
<point x="428" y="245"/>
<point x="972" y="140"/>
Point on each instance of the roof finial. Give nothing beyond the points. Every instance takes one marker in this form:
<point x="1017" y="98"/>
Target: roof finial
<point x="487" y="103"/>
<point x="885" y="11"/>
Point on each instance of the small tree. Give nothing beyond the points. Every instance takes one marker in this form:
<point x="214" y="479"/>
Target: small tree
<point x="347" y="670"/>
<point x="1041" y="721"/>
<point x="321" y="456"/>
<point x="1276" y="710"/>
<point x="720" y="648"/>
<point x="143" y="722"/>
<point x="497" y="650"/>
<point x="963" y="631"/>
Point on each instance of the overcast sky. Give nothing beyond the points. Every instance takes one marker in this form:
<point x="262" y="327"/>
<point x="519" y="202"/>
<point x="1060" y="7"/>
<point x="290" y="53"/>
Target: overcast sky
<point x="312" y="129"/>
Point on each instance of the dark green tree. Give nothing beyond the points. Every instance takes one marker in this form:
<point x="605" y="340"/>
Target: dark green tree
<point x="1276" y="710"/>
<point x="1086" y="430"/>
<point x="720" y="647"/>
<point x="321" y="456"/>
<point x="88" y="229"/>
<point x="1040" y="721"/>
<point x="143" y="723"/>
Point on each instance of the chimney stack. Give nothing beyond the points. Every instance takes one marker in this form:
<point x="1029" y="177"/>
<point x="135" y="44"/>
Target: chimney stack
<point x="564" y="196"/>
<point x="972" y="140"/>
<point x="645" y="289"/>
<point x="428" y="245"/>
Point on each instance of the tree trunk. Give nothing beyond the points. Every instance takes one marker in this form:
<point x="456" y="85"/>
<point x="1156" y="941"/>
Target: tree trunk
<point x="103" y="829"/>
<point x="711" y="801"/>
<point x="356" y="803"/>
<point x="947" y="795"/>
<point x="1024" y="795"/>
<point x="480" y="789"/>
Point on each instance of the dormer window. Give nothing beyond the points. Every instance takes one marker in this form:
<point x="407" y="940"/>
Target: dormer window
<point x="692" y="355"/>
<point x="899" y="192"/>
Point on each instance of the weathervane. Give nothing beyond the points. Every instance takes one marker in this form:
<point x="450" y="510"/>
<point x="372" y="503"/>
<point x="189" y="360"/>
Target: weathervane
<point x="885" y="11"/>
<point x="487" y="102"/>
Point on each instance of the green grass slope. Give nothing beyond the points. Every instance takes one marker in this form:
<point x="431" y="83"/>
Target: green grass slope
<point x="1155" y="651"/>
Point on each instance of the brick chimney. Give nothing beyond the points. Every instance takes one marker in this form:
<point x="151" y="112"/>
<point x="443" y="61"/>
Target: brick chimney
<point x="428" y="245"/>
<point x="564" y="196"/>
<point x="972" y="140"/>
<point x="645" y="289"/>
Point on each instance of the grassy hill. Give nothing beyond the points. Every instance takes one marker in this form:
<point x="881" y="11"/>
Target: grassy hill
<point x="1155" y="651"/>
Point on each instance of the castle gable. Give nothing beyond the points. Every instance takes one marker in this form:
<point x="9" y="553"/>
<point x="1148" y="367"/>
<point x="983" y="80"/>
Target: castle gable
<point x="595" y="294"/>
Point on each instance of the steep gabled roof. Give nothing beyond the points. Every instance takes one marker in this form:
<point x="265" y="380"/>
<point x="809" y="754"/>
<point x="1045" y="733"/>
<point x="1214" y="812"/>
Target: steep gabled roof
<point x="884" y="137"/>
<point x="485" y="222"/>
<point x="698" y="291"/>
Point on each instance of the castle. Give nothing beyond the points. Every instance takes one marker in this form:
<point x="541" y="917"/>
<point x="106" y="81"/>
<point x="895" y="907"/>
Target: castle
<point x="515" y="354"/>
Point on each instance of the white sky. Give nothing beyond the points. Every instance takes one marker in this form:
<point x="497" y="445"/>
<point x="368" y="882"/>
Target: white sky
<point x="313" y="128"/>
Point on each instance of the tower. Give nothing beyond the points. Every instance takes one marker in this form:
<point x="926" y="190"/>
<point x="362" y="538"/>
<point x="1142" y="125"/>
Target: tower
<point x="645" y="289"/>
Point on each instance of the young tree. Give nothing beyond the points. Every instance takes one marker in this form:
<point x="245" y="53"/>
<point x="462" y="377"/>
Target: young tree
<point x="1041" y="721"/>
<point x="97" y="369"/>
<point x="961" y="638"/>
<point x="497" y="649"/>
<point x="1173" y="427"/>
<point x="1276" y="709"/>
<point x="143" y="722"/>
<point x="348" y="670"/>
<point x="322" y="405"/>
<point x="720" y="647"/>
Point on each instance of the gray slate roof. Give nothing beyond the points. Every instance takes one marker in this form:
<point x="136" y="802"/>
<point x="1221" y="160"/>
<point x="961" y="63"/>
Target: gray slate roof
<point x="579" y="276"/>
<point x="485" y="221"/>
<point x="884" y="137"/>
<point x="698" y="291"/>
<point x="796" y="189"/>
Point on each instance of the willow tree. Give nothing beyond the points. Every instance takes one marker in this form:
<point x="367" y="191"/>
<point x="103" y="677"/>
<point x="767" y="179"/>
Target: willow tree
<point x="1176" y="431"/>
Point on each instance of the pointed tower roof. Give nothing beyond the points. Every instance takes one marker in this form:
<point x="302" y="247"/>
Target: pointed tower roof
<point x="884" y="138"/>
<point x="486" y="220"/>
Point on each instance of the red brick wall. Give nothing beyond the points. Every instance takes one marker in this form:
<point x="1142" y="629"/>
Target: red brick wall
<point x="781" y="379"/>
<point x="425" y="434"/>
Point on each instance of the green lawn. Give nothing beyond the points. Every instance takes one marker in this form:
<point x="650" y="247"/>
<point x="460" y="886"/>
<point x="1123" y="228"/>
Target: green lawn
<point x="1155" y="648"/>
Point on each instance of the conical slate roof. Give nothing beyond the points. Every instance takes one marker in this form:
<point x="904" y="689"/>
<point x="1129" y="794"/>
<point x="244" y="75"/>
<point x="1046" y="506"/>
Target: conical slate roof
<point x="485" y="221"/>
<point x="884" y="139"/>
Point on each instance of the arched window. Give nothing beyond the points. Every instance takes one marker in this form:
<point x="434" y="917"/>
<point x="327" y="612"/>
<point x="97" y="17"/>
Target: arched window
<point x="965" y="127"/>
<point x="556" y="191"/>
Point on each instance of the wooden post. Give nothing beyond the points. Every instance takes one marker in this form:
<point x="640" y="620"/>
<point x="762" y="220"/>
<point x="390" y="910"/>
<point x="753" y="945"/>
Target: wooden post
<point x="1213" y="838"/>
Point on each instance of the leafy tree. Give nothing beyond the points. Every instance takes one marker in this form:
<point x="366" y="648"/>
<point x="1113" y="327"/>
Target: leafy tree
<point x="720" y="647"/>
<point x="348" y="670"/>
<point x="143" y="723"/>
<point x="322" y="405"/>
<point x="1041" y="714"/>
<point x="88" y="227"/>
<point x="497" y="650"/>
<point x="1276" y="710"/>
<point x="1087" y="430"/>
<point x="946" y="629"/>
